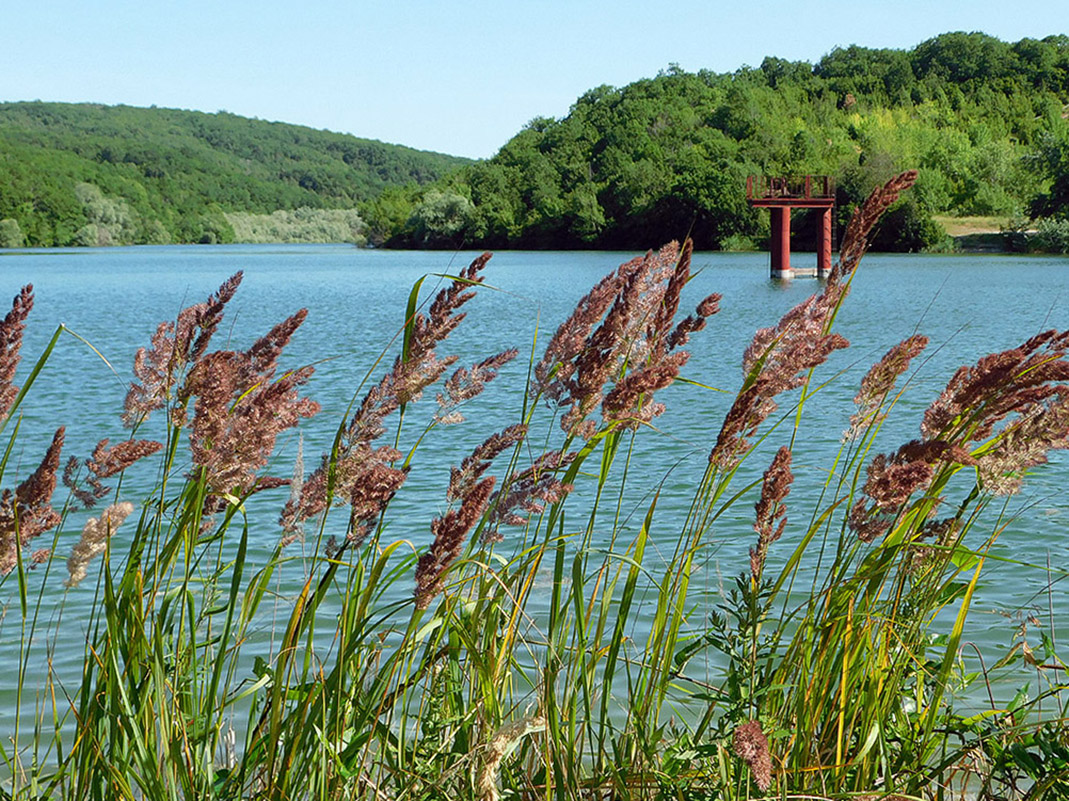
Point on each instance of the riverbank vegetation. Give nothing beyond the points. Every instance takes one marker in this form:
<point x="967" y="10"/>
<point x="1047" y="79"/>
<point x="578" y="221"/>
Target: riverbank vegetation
<point x="562" y="636"/>
<point x="983" y="121"/>
<point x="81" y="174"/>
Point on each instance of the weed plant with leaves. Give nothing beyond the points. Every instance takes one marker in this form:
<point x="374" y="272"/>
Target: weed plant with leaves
<point x="505" y="660"/>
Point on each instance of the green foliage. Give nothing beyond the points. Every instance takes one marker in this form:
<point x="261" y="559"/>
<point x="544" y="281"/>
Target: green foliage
<point x="87" y="174"/>
<point x="905" y="228"/>
<point x="669" y="155"/>
<point x="1051" y="236"/>
<point x="737" y="243"/>
<point x="441" y="219"/>
<point x="299" y="225"/>
<point x="10" y="234"/>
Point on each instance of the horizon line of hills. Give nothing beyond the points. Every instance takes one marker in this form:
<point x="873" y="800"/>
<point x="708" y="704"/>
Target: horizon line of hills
<point x="984" y="121"/>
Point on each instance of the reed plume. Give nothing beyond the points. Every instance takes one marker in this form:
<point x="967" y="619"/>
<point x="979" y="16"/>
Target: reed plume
<point x="86" y="497"/>
<point x="1025" y="384"/>
<point x="106" y="462"/>
<point x="241" y="408"/>
<point x="977" y="398"/>
<point x="1025" y="444"/>
<point x="855" y="241"/>
<point x="1028" y="385"/>
<point x="359" y="473"/>
<point x="450" y="531"/>
<point x="27" y="512"/>
<point x="771" y="514"/>
<point x="880" y="380"/>
<point x="751" y="746"/>
<point x="94" y="540"/>
<point x="780" y="357"/>
<point x="468" y="382"/>
<point x="11" y="330"/>
<point x="628" y="350"/>
<point x="159" y="368"/>
<point x="528" y="492"/>
<point x="778" y="360"/>
<point x="463" y="478"/>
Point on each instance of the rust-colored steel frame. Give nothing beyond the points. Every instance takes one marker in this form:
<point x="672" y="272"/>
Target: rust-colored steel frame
<point x="803" y="192"/>
<point x="781" y="194"/>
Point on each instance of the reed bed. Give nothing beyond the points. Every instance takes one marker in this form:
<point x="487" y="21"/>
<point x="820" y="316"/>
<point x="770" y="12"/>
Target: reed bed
<point x="505" y="661"/>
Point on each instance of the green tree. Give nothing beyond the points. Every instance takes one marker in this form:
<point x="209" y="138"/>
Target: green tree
<point x="10" y="234"/>
<point x="440" y="220"/>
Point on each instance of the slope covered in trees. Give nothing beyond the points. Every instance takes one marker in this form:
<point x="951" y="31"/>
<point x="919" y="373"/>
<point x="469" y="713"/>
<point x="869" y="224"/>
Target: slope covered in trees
<point x="90" y="174"/>
<point x="983" y="120"/>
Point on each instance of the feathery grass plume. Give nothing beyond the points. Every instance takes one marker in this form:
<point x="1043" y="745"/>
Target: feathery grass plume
<point x="95" y="535"/>
<point x="466" y="383"/>
<point x="636" y="306"/>
<point x="751" y="746"/>
<point x="1013" y="381"/>
<point x="693" y="323"/>
<point x="420" y="367"/>
<point x="27" y="512"/>
<point x="628" y="335"/>
<point x="1025" y="443"/>
<point x="463" y="478"/>
<point x="365" y="479"/>
<point x="880" y="380"/>
<point x="362" y="475"/>
<point x="629" y="403"/>
<point x="296" y="485"/>
<point x="651" y="365"/>
<point x="892" y="479"/>
<point x="241" y="408"/>
<point x="780" y="357"/>
<point x="1026" y="381"/>
<point x="106" y="462"/>
<point x="555" y="373"/>
<point x="868" y="524"/>
<point x="777" y="360"/>
<point x="11" y="330"/>
<point x="659" y="329"/>
<point x="158" y="369"/>
<point x="855" y="241"/>
<point x="943" y="531"/>
<point x="450" y="531"/>
<point x="378" y="482"/>
<point x="775" y="487"/>
<point x="527" y="493"/>
<point x="86" y="497"/>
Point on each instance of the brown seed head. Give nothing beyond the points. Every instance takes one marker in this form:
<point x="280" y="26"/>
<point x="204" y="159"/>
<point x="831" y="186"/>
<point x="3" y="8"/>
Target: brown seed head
<point x="751" y="746"/>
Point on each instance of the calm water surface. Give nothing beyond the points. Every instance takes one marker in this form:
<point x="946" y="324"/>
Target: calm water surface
<point x="114" y="298"/>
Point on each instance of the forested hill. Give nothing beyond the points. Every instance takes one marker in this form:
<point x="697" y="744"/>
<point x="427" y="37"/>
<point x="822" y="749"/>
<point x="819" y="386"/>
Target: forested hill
<point x="983" y="120"/>
<point x="92" y="174"/>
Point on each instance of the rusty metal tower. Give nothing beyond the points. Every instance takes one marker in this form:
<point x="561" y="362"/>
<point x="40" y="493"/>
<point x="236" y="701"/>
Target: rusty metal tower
<point x="781" y="194"/>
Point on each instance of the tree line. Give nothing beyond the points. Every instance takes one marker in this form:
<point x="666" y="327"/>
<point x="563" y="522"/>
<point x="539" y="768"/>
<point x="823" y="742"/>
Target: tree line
<point x="81" y="174"/>
<point x="983" y="120"/>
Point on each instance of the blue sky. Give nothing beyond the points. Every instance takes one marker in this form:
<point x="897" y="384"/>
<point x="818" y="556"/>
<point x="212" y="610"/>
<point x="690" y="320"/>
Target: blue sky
<point x="457" y="77"/>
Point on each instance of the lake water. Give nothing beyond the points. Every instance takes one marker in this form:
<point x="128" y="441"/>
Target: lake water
<point x="114" y="298"/>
